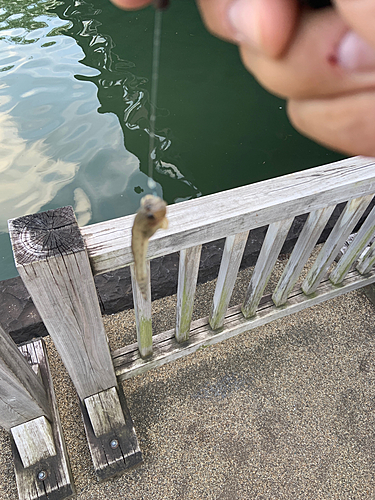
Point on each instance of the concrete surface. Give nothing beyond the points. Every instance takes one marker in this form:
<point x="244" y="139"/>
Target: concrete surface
<point x="286" y="411"/>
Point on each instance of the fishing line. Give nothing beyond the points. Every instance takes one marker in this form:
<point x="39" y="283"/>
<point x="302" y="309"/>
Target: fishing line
<point x="154" y="95"/>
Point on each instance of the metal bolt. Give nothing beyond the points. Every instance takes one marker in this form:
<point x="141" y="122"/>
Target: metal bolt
<point x="114" y="444"/>
<point x="42" y="475"/>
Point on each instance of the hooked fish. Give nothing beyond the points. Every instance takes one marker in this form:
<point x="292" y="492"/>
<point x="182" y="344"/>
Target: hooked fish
<point x="150" y="217"/>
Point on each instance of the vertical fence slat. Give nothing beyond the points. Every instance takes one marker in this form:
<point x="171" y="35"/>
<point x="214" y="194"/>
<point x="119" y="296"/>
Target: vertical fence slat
<point x="273" y="242"/>
<point x="310" y="233"/>
<point x="366" y="262"/>
<point x="51" y="258"/>
<point x="230" y="263"/>
<point x="142" y="309"/>
<point x="22" y="395"/>
<point x="356" y="247"/>
<point x="343" y="227"/>
<point x="187" y="282"/>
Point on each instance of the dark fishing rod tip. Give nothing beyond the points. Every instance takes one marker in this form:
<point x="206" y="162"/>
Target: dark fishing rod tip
<point x="161" y="4"/>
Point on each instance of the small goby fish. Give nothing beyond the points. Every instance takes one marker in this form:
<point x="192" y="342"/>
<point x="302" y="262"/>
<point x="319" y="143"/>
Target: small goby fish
<point x="150" y="217"/>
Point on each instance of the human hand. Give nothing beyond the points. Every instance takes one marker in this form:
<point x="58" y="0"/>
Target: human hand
<point x="321" y="61"/>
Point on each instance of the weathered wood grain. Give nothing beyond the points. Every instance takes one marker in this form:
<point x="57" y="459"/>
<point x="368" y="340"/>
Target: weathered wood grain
<point x="272" y="244"/>
<point x="356" y="247"/>
<point x="187" y="282"/>
<point x="116" y="450"/>
<point x="229" y="266"/>
<point x="22" y="394"/>
<point x="339" y="234"/>
<point x="142" y="309"/>
<point x="234" y="211"/>
<point x="366" y="262"/>
<point x="128" y="363"/>
<point x="308" y="238"/>
<point x="34" y="441"/>
<point x="56" y="483"/>
<point x="105" y="412"/>
<point x="60" y="282"/>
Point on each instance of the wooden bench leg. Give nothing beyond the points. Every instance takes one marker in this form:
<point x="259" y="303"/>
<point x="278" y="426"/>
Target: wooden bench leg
<point x="48" y="475"/>
<point x="110" y="433"/>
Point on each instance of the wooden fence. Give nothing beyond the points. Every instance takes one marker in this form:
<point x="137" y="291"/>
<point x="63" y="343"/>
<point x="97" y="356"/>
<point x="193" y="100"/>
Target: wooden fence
<point x="57" y="261"/>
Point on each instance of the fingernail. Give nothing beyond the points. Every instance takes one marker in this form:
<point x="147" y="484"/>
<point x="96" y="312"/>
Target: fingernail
<point x="243" y="18"/>
<point x="354" y="54"/>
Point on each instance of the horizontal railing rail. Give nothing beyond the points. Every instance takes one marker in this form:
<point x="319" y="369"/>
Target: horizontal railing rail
<point x="223" y="214"/>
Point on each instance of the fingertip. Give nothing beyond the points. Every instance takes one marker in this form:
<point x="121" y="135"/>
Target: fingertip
<point x="131" y="4"/>
<point x="279" y="24"/>
<point x="266" y="25"/>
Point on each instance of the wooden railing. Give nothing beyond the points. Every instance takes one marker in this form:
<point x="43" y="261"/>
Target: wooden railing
<point x="57" y="261"/>
<point x="232" y="214"/>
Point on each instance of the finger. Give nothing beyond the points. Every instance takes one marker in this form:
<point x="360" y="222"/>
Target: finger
<point x="131" y="4"/>
<point x="269" y="24"/>
<point x="215" y="16"/>
<point x="345" y="123"/>
<point x="310" y="68"/>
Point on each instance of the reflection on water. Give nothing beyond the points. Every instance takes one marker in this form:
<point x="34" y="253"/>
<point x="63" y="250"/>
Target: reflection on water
<point x="64" y="91"/>
<point x="29" y="176"/>
<point x="123" y="93"/>
<point x="74" y="113"/>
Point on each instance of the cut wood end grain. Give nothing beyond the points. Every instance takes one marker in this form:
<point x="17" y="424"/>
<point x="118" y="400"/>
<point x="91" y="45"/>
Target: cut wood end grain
<point x="46" y="234"/>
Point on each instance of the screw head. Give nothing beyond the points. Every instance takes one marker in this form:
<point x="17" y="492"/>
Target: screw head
<point x="42" y="475"/>
<point x="114" y="444"/>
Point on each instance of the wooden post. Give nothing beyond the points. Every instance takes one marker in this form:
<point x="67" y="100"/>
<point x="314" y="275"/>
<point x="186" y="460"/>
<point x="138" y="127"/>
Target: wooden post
<point x="22" y="395"/>
<point x="343" y="227"/>
<point x="52" y="261"/>
<point x="51" y="477"/>
<point x="230" y="264"/>
<point x="356" y="247"/>
<point x="366" y="262"/>
<point x="310" y="233"/>
<point x="28" y="410"/>
<point x="187" y="282"/>
<point x="142" y="310"/>
<point x="51" y="258"/>
<point x="272" y="244"/>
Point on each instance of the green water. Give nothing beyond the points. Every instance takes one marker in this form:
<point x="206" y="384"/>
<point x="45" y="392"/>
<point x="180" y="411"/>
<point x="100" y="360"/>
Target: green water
<point x="74" y="113"/>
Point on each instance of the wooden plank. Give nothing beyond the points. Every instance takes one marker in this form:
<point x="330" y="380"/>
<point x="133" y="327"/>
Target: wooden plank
<point x="187" y="282"/>
<point x="22" y="394"/>
<point x="142" y="309"/>
<point x="308" y="238"/>
<point x="117" y="450"/>
<point x="229" y="266"/>
<point x="34" y="441"/>
<point x="343" y="227"/>
<point x="366" y="262"/>
<point x="51" y="258"/>
<point x="105" y="412"/>
<point x="356" y="247"/>
<point x="208" y="218"/>
<point x="50" y="478"/>
<point x="272" y="244"/>
<point x="128" y="363"/>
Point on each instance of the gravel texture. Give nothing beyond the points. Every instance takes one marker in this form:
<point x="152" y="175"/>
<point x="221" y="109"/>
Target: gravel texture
<point x="285" y="411"/>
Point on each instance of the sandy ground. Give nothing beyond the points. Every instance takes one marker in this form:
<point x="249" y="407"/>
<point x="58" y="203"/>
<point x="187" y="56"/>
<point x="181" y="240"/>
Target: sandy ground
<point x="285" y="411"/>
